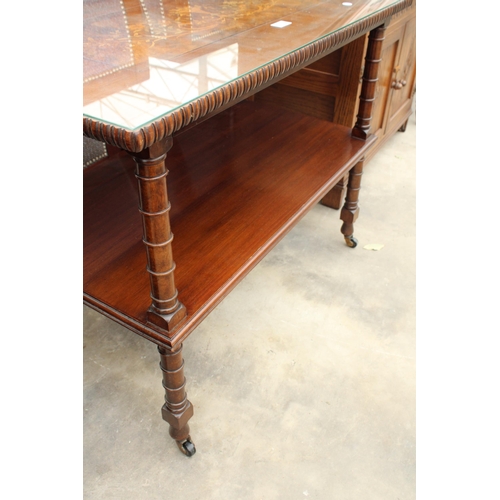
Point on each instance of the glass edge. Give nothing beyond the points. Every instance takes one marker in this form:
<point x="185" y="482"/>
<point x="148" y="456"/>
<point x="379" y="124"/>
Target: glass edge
<point x="243" y="75"/>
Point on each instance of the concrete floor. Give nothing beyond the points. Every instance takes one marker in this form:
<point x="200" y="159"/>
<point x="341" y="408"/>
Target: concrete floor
<point x="302" y="380"/>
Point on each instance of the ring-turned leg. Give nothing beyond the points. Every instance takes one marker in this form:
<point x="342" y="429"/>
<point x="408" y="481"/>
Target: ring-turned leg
<point x="373" y="58"/>
<point x="361" y="130"/>
<point x="350" y="210"/>
<point x="166" y="311"/>
<point x="177" y="410"/>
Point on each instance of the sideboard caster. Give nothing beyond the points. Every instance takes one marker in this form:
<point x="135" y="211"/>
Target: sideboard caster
<point x="187" y="447"/>
<point x="351" y="241"/>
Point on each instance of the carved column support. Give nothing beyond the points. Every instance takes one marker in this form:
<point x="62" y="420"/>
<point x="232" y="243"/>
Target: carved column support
<point x="350" y="210"/>
<point x="177" y="410"/>
<point x="361" y="129"/>
<point x="165" y="311"/>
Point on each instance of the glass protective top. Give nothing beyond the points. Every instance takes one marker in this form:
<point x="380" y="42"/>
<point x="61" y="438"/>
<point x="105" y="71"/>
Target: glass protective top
<point x="145" y="58"/>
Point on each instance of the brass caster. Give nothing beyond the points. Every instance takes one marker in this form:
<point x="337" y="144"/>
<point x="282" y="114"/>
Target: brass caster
<point x="186" y="447"/>
<point x="351" y="241"/>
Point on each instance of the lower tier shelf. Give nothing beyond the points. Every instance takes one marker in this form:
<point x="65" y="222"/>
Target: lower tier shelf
<point x="237" y="184"/>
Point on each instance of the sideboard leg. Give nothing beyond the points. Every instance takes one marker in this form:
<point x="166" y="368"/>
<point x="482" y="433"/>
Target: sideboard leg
<point x="177" y="410"/>
<point x="336" y="195"/>
<point x="350" y="210"/>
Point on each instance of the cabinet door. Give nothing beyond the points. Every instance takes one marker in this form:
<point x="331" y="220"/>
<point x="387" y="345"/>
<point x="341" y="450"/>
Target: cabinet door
<point x="403" y="83"/>
<point x="396" y="78"/>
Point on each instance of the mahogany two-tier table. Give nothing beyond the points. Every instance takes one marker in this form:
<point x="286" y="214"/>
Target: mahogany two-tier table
<point x="170" y="86"/>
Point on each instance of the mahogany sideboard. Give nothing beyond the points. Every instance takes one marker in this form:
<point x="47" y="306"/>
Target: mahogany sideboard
<point x="176" y="88"/>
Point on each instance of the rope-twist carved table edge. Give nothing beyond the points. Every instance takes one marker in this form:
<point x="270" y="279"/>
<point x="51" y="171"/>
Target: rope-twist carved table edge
<point x="144" y="137"/>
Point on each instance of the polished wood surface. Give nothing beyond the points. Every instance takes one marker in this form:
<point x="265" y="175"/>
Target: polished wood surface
<point x="151" y="172"/>
<point x="265" y="55"/>
<point x="370" y="78"/>
<point x="335" y="197"/>
<point x="177" y="409"/>
<point x="329" y="89"/>
<point x="350" y="210"/>
<point x="265" y="169"/>
<point x="326" y="89"/>
<point x="394" y="89"/>
<point x="397" y="78"/>
<point x="238" y="182"/>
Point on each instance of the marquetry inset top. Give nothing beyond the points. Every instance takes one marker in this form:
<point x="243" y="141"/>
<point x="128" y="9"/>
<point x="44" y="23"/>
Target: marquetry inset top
<point x="153" y="66"/>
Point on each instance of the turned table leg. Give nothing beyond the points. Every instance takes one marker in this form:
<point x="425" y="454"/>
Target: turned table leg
<point x="177" y="410"/>
<point x="165" y="311"/>
<point x="350" y="210"/>
<point x="361" y="130"/>
<point x="376" y="38"/>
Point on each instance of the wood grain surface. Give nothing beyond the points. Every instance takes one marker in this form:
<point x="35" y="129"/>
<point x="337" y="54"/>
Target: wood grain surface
<point x="237" y="184"/>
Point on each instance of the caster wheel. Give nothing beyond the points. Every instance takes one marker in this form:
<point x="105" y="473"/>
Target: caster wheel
<point x="187" y="447"/>
<point x="351" y="241"/>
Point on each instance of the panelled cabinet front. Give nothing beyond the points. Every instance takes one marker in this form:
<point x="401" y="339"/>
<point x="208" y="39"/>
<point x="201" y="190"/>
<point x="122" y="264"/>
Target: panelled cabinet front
<point x="396" y="85"/>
